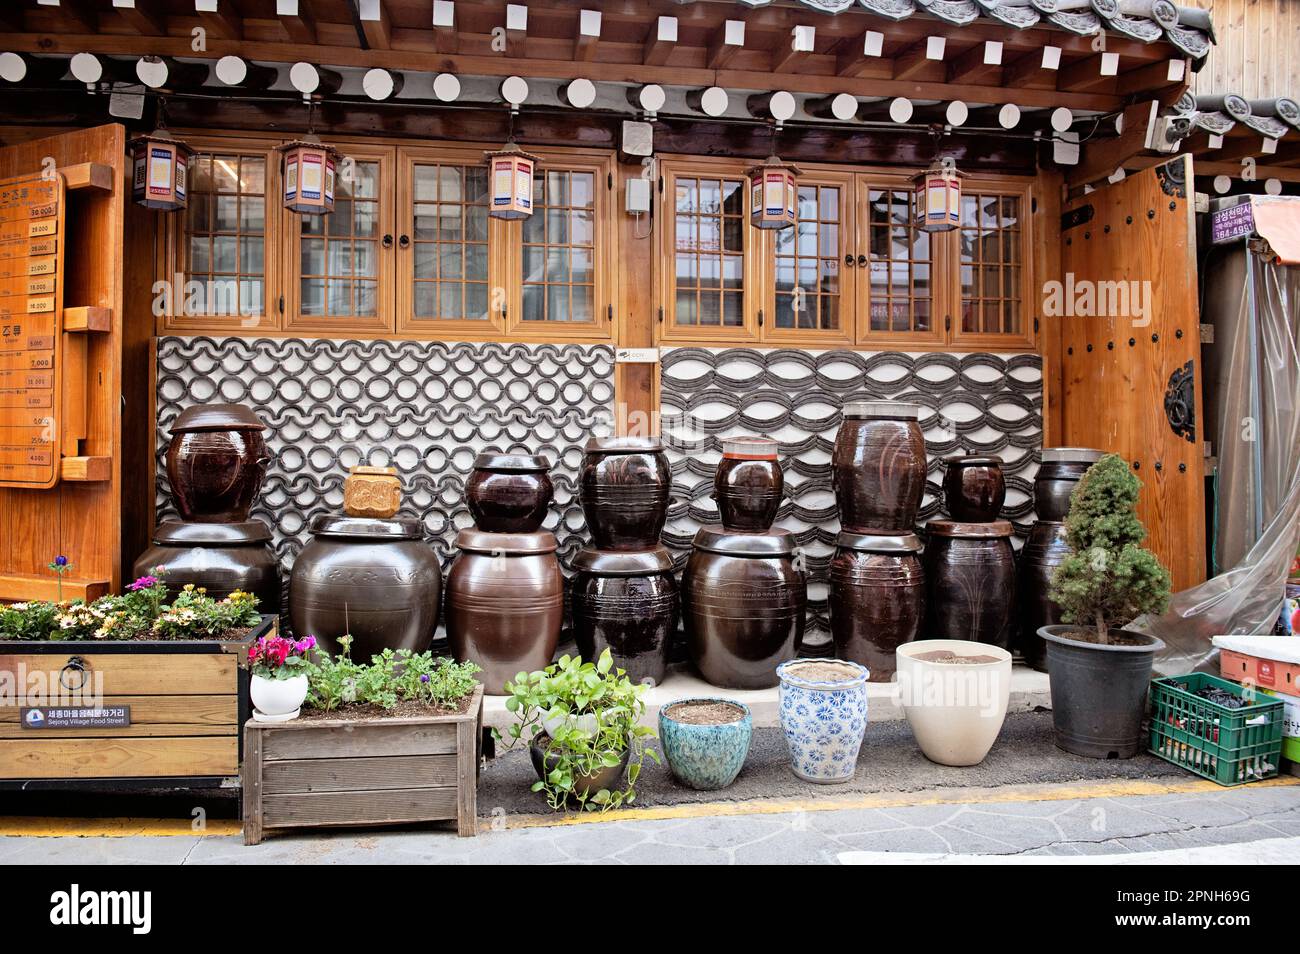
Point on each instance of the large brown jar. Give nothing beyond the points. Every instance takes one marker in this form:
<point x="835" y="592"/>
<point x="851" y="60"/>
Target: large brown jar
<point x="220" y="557"/>
<point x="973" y="488"/>
<point x="505" y="603"/>
<point x="625" y="601"/>
<point x="509" y="493"/>
<point x="625" y="487"/>
<point x="372" y="578"/>
<point x="1042" y="553"/>
<point x="743" y="604"/>
<point x="878" y="467"/>
<point x="876" y="599"/>
<point x="970" y="578"/>
<point x="1059" y="472"/>
<point x="748" y="484"/>
<point x="216" y="461"/>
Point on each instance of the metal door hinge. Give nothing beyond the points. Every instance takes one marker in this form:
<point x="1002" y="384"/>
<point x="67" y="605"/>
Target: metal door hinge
<point x="281" y="304"/>
<point x="609" y="312"/>
<point x="760" y="317"/>
<point x="661" y="314"/>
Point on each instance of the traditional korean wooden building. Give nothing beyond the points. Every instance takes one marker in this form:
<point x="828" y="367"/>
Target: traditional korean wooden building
<point x="411" y="326"/>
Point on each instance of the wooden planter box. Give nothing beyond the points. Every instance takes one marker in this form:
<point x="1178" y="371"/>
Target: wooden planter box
<point x="336" y="772"/>
<point x="186" y="701"/>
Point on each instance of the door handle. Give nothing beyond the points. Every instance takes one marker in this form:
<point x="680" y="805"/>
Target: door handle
<point x="387" y="241"/>
<point x="862" y="261"/>
<point x="404" y="242"/>
<point x="848" y="260"/>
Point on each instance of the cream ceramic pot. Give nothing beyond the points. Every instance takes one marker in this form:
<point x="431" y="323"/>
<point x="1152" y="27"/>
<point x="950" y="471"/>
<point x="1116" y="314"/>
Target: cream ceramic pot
<point x="955" y="709"/>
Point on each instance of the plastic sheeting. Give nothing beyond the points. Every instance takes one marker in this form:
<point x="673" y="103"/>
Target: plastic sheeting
<point x="1258" y="444"/>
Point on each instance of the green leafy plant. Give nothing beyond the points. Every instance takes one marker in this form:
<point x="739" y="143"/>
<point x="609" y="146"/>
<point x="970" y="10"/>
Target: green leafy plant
<point x="551" y="705"/>
<point x="35" y="620"/>
<point x="1108" y="579"/>
<point x="194" y="614"/>
<point x="391" y="677"/>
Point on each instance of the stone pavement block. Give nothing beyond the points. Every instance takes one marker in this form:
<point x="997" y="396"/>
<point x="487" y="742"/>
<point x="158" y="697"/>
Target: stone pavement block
<point x="1017" y="832"/>
<point x="920" y="840"/>
<point x="170" y="850"/>
<point x="975" y="842"/>
<point x="727" y="832"/>
<point x="596" y="842"/>
<point x="1100" y="819"/>
<point x="794" y="847"/>
<point x="653" y="853"/>
<point x="852" y="821"/>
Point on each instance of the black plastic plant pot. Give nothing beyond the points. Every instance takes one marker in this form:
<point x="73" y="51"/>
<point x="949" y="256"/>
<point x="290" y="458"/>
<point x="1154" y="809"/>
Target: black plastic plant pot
<point x="1099" y="691"/>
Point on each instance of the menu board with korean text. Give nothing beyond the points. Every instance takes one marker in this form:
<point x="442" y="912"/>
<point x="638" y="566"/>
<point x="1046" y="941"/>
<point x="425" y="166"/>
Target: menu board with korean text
<point x="31" y="314"/>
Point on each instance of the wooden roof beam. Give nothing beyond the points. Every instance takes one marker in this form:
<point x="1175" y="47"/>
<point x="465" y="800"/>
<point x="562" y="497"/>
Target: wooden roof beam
<point x="445" y="38"/>
<point x="860" y="54"/>
<point x="1036" y="66"/>
<point x="80" y="15"/>
<point x="660" y="41"/>
<point x="297" y="21"/>
<point x="916" y="58"/>
<point x="726" y="43"/>
<point x="220" y="18"/>
<point x="146" y="17"/>
<point x="1167" y="77"/>
<point x="1207" y="167"/>
<point x="980" y="64"/>
<point x="1253" y="146"/>
<point x="588" y="36"/>
<point x="376" y="24"/>
<point x="517" y="29"/>
<point x="1103" y="156"/>
<point x="1090" y="73"/>
<point x="794" y="51"/>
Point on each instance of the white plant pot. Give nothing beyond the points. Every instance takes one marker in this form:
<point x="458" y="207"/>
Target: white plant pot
<point x="955" y="710"/>
<point x="277" y="700"/>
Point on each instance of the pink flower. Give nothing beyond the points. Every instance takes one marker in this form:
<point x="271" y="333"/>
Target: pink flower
<point x="143" y="583"/>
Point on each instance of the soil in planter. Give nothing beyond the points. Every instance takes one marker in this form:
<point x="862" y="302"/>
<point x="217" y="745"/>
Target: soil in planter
<point x="1116" y="637"/>
<point x="955" y="659"/>
<point x="403" y="710"/>
<point x="704" y="713"/>
<point x="823" y="672"/>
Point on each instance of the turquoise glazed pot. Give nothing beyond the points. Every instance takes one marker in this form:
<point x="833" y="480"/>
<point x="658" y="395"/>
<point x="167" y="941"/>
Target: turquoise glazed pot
<point x="705" y="757"/>
<point x="824" y="715"/>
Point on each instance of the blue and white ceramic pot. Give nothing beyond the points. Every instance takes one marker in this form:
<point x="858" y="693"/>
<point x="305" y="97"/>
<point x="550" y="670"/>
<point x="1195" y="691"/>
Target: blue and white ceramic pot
<point x="824" y="716"/>
<point x="705" y="740"/>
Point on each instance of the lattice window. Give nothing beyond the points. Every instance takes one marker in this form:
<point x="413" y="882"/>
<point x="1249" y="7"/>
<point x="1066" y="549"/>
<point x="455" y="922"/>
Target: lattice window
<point x="991" y="259"/>
<point x="808" y="262"/>
<point x="559" y="247"/>
<point x="450" y="242"/>
<point x="709" y="252"/>
<point x="900" y="293"/>
<point x="224" y="245"/>
<point x="339" y="252"/>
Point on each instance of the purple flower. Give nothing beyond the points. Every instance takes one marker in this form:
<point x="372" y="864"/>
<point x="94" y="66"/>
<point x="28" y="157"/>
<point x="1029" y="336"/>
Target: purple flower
<point x="60" y="560"/>
<point x="424" y="677"/>
<point x="143" y="583"/>
<point x="306" y="643"/>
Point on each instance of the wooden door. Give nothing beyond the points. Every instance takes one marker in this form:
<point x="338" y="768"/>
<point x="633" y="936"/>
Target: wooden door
<point x="1130" y="336"/>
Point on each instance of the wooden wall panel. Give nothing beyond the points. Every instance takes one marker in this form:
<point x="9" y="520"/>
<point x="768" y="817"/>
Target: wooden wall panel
<point x="1116" y="368"/>
<point x="1258" y="49"/>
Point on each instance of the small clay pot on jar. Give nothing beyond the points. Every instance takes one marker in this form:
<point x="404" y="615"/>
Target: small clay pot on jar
<point x="625" y="487"/>
<point x="625" y="601"/>
<point x="876" y="599"/>
<point x="878" y="467"/>
<point x="748" y="484"/>
<point x="509" y="493"/>
<point x="743" y="604"/>
<point x="216" y="461"/>
<point x="1059" y="472"/>
<point x="974" y="489"/>
<point x="505" y="604"/>
<point x="970" y="580"/>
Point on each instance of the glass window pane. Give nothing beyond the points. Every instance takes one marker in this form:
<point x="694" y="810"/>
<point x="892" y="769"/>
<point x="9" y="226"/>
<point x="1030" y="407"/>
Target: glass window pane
<point x="426" y="260"/>
<point x="252" y="175"/>
<point x="313" y="296"/>
<point x="533" y="304"/>
<point x="338" y="297"/>
<point x="582" y="304"/>
<point x="426" y="300"/>
<point x="366" y="295"/>
<point x="557" y="303"/>
<point x="476" y="301"/>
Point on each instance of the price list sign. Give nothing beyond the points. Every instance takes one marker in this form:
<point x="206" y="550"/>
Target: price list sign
<point x="31" y="312"/>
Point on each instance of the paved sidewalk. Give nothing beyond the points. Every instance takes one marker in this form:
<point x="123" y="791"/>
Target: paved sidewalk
<point x="1196" y="820"/>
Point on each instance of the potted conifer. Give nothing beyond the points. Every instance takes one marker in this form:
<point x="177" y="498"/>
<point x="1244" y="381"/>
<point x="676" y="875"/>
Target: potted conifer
<point x="1100" y="671"/>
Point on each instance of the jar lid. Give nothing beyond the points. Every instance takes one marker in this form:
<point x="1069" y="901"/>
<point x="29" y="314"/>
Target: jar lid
<point x="973" y="460"/>
<point x="190" y="533"/>
<point x="514" y="544"/>
<point x="897" y="409"/>
<point x="367" y="528"/>
<point x="750" y="448"/>
<point x="765" y="543"/>
<point x="879" y="543"/>
<point x="622" y="562"/>
<point x="969" y="531"/>
<point x="624" y="445"/>
<point x="216" y="417"/>
<point x="1070" y="455"/>
<point x="512" y="463"/>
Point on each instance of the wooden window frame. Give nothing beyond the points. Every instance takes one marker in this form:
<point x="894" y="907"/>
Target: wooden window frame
<point x="291" y="252"/>
<point x="171" y="256"/>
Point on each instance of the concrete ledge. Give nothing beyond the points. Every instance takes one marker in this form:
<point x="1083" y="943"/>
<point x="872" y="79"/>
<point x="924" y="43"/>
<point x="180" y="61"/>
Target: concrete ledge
<point x="1029" y="689"/>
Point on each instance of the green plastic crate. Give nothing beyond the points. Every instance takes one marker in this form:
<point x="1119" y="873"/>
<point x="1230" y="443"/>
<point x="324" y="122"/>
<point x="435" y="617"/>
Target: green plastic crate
<point x="1212" y="740"/>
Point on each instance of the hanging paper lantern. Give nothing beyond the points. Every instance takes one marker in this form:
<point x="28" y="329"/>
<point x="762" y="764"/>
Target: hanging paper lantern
<point x="309" y="175"/>
<point x="159" y="167"/>
<point x="510" y="178"/>
<point x="938" y="198"/>
<point x="773" y="192"/>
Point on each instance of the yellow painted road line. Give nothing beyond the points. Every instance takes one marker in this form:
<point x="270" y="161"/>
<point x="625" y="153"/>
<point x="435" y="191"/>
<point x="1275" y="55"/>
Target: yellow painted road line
<point x="113" y="827"/>
<point x="1047" y="792"/>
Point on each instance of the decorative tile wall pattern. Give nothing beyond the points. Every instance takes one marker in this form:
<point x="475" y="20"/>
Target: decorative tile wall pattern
<point x="427" y="408"/>
<point x="976" y="403"/>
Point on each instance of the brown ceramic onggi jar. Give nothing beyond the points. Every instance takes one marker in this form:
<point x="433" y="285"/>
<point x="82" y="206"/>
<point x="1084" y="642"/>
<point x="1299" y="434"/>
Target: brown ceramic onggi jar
<point x="878" y="467"/>
<point x="876" y="598"/>
<point x="509" y="493"/>
<point x="974" y="489"/>
<point x="748" y="484"/>
<point x="505" y="603"/>
<point x="216" y="460"/>
<point x="625" y="601"/>
<point x="1044" y="550"/>
<point x="970" y="580"/>
<point x="743" y="606"/>
<point x="625" y="486"/>
<point x="375" y="579"/>
<point x="220" y="557"/>
<point x="1059" y="472"/>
